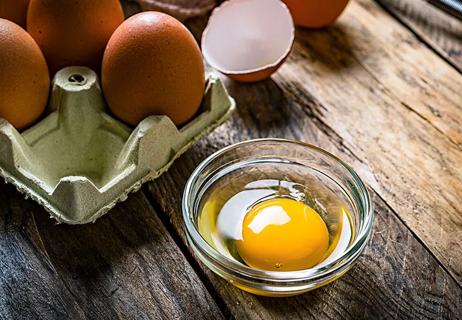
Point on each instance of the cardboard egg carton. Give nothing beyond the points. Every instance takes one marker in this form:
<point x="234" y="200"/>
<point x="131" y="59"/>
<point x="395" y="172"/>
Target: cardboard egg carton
<point x="79" y="161"/>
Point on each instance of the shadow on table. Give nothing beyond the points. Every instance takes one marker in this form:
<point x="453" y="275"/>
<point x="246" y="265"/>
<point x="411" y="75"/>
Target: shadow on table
<point x="332" y="47"/>
<point x="259" y="108"/>
<point x="45" y="265"/>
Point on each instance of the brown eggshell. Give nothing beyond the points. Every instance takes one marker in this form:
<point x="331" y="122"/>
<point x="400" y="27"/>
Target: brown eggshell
<point x="315" y="13"/>
<point x="256" y="75"/>
<point x="153" y="66"/>
<point x="73" y="33"/>
<point x="24" y="80"/>
<point x="14" y="10"/>
<point x="256" y="46"/>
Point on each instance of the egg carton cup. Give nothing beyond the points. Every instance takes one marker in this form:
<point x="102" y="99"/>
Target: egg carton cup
<point x="79" y="161"/>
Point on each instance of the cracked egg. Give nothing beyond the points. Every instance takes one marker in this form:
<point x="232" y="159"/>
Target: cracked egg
<point x="248" y="40"/>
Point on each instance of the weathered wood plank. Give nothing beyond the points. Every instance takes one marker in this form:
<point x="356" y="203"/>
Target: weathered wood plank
<point x="353" y="101"/>
<point x="395" y="278"/>
<point x="124" y="266"/>
<point x="396" y="106"/>
<point x="440" y="30"/>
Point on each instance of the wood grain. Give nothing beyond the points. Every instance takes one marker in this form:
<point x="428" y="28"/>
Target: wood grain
<point x="123" y="266"/>
<point x="395" y="105"/>
<point x="391" y="102"/>
<point x="366" y="89"/>
<point x="440" y="30"/>
<point x="396" y="278"/>
<point x="355" y="90"/>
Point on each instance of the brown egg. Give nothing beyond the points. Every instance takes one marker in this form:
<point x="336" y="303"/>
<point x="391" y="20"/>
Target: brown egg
<point x="153" y="66"/>
<point x="14" y="10"/>
<point x="315" y="13"/>
<point x="24" y="80"/>
<point x="73" y="32"/>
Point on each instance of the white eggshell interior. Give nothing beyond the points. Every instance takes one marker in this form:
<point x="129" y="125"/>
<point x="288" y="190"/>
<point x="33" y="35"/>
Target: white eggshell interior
<point x="248" y="35"/>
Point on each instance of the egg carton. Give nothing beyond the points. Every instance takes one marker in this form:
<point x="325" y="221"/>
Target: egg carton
<point x="79" y="161"/>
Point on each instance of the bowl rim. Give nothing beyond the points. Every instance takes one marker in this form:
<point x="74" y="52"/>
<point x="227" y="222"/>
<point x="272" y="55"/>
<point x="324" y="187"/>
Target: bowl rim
<point x="313" y="274"/>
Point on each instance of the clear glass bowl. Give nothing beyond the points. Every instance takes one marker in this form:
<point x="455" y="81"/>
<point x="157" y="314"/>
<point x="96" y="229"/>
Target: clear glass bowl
<point x="305" y="162"/>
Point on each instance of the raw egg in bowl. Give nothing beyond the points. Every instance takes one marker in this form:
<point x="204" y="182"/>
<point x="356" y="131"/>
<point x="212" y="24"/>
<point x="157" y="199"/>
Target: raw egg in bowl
<point x="276" y="217"/>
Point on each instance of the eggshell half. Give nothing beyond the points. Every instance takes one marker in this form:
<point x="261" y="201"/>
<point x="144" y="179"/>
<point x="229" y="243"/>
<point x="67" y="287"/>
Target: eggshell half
<point x="248" y="40"/>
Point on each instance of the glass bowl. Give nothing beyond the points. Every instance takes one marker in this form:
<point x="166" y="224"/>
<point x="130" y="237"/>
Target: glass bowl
<point x="304" y="162"/>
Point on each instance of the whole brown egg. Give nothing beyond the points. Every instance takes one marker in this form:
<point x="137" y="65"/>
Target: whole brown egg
<point x="315" y="13"/>
<point x="73" y="32"/>
<point x="24" y="80"/>
<point x="153" y="66"/>
<point x="14" y="10"/>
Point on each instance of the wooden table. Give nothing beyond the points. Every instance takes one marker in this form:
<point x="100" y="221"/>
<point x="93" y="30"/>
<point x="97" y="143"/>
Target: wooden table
<point x="381" y="88"/>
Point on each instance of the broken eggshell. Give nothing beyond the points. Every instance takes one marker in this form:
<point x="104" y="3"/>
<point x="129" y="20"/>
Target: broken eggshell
<point x="248" y="40"/>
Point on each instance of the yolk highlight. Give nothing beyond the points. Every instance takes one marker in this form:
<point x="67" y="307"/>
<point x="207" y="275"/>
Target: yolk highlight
<point x="283" y="235"/>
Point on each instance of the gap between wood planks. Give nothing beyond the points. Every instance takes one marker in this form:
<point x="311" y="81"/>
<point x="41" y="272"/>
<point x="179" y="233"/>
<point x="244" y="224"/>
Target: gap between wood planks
<point x="337" y="139"/>
<point x="342" y="145"/>
<point x="193" y="262"/>
<point x="420" y="241"/>
<point x="242" y="303"/>
<point x="122" y="264"/>
<point x="330" y="132"/>
<point x="219" y="299"/>
<point x="441" y="52"/>
<point x="409" y="138"/>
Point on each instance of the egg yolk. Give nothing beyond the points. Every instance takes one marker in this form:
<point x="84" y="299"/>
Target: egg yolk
<point x="283" y="235"/>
